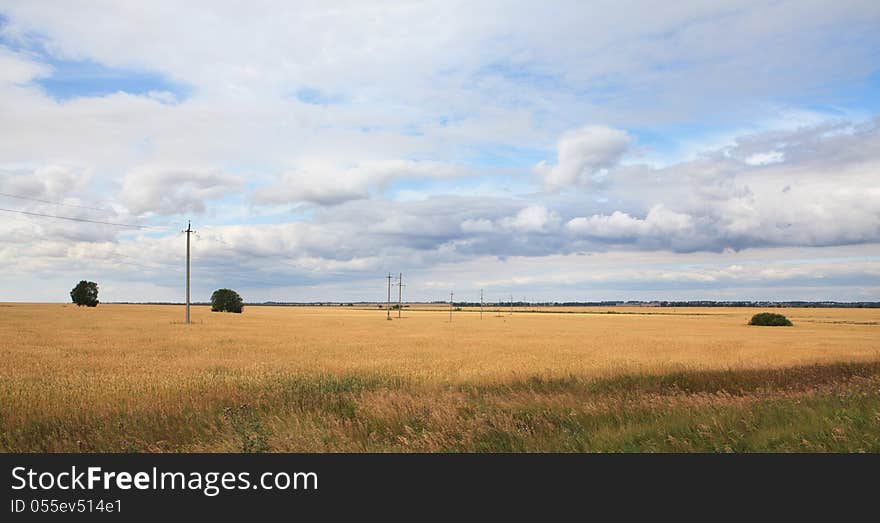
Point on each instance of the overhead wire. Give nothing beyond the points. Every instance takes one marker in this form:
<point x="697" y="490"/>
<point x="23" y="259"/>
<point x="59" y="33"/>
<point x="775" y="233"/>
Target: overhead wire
<point x="221" y="271"/>
<point x="86" y="220"/>
<point x="19" y="197"/>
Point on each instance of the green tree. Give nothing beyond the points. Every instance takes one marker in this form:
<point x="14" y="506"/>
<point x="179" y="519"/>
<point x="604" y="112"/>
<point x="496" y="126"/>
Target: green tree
<point x="226" y="300"/>
<point x="770" y="319"/>
<point x="85" y="293"/>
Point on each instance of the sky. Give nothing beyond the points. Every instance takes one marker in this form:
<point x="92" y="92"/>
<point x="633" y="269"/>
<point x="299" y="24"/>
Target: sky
<point x="549" y="151"/>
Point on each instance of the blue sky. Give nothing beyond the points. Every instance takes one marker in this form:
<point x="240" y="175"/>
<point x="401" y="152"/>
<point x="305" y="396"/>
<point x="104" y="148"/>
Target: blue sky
<point x="569" y="151"/>
<point x="76" y="79"/>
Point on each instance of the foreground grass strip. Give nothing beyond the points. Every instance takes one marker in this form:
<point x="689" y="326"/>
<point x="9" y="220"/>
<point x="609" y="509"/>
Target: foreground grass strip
<point x="813" y="408"/>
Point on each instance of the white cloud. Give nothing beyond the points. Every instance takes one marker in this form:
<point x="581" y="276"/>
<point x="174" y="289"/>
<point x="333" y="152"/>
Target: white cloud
<point x="765" y="158"/>
<point x="52" y="182"/>
<point x="477" y="226"/>
<point x="616" y="225"/>
<point x="581" y="153"/>
<point x="532" y="219"/>
<point x="168" y="191"/>
<point x="16" y="69"/>
<point x="498" y="98"/>
<point x="660" y="223"/>
<point x="325" y="184"/>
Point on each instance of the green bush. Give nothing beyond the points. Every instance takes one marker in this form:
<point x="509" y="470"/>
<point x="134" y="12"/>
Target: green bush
<point x="770" y="319"/>
<point x="85" y="293"/>
<point x="226" y="300"/>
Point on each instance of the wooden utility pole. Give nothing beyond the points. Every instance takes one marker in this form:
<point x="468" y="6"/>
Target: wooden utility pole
<point x="450" y="306"/>
<point x="481" y="304"/>
<point x="388" y="302"/>
<point x="399" y="295"/>
<point x="188" y="231"/>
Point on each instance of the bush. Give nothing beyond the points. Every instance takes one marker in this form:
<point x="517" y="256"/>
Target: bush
<point x="85" y="293"/>
<point x="226" y="300"/>
<point x="770" y="319"/>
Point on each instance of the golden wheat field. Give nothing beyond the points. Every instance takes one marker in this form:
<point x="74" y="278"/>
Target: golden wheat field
<point x="134" y="378"/>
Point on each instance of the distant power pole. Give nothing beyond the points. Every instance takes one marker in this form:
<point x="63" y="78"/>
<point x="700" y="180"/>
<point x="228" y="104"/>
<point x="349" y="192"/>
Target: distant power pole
<point x="188" y="231"/>
<point x="400" y="287"/>
<point x="481" y="304"/>
<point x="511" y="304"/>
<point x="388" y="302"/>
<point x="450" y="306"/>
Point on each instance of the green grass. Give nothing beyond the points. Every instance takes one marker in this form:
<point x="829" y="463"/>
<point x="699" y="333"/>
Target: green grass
<point x="817" y="408"/>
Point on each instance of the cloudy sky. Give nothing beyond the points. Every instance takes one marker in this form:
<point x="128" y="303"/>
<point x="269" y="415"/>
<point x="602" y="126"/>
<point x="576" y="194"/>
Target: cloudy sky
<point x="546" y="150"/>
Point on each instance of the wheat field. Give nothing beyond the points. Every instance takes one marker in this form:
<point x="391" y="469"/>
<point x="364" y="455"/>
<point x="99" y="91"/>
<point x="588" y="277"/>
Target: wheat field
<point x="133" y="378"/>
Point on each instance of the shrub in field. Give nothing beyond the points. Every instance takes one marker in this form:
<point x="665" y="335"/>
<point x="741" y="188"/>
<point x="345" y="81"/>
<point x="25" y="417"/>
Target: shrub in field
<point x="226" y="300"/>
<point x="770" y="319"/>
<point x="85" y="293"/>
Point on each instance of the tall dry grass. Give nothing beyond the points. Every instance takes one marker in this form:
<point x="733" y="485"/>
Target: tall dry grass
<point x="132" y="378"/>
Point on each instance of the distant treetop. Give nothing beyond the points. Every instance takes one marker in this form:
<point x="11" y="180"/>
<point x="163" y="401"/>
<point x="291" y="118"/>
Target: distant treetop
<point x="770" y="319"/>
<point x="226" y="300"/>
<point x="85" y="294"/>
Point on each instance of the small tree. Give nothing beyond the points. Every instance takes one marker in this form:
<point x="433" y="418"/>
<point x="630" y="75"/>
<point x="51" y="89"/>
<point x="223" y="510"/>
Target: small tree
<point x="226" y="300"/>
<point x="85" y="293"/>
<point x="770" y="319"/>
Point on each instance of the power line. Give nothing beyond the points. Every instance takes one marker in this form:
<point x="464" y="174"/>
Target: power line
<point x="79" y="219"/>
<point x="217" y="271"/>
<point x="50" y="202"/>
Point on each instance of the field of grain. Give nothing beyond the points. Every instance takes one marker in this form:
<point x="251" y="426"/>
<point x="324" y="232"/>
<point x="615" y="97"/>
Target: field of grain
<point x="134" y="378"/>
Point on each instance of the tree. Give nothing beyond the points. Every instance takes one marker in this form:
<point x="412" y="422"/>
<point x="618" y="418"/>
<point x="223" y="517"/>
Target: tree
<point x="770" y="319"/>
<point x="226" y="300"/>
<point x="85" y="293"/>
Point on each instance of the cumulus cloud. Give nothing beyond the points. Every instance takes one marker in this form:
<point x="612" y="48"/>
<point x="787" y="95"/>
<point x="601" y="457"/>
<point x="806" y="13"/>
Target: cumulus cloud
<point x="168" y="191"/>
<point x="659" y="222"/>
<point x="53" y="182"/>
<point x="660" y="228"/>
<point x="820" y="189"/>
<point x="581" y="154"/>
<point x="324" y="184"/>
<point x="17" y="69"/>
<point x="532" y="219"/>
<point x="405" y="116"/>
<point x="765" y="158"/>
<point x="477" y="226"/>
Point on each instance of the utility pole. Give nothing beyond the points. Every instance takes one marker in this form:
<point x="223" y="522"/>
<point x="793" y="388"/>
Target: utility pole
<point x="388" y="302"/>
<point x="399" y="295"/>
<point x="188" y="231"/>
<point x="481" y="304"/>
<point x="511" y="305"/>
<point x="450" y="306"/>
